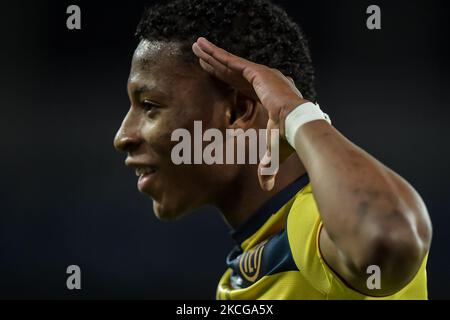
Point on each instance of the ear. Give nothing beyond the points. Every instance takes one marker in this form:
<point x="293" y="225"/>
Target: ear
<point x="243" y="112"/>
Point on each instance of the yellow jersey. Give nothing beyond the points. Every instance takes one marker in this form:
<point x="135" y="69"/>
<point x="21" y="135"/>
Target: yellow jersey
<point x="277" y="255"/>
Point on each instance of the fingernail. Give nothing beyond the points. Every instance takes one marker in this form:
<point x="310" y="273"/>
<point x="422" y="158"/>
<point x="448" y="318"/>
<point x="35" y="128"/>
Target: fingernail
<point x="266" y="159"/>
<point x="269" y="184"/>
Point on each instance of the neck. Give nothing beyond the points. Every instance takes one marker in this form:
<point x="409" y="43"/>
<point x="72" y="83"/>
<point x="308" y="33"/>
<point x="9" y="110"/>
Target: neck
<point x="245" y="196"/>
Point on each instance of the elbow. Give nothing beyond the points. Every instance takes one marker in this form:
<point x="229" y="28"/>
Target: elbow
<point x="393" y="250"/>
<point x="397" y="249"/>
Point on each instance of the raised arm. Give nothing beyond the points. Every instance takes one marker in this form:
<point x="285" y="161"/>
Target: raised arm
<point x="370" y="215"/>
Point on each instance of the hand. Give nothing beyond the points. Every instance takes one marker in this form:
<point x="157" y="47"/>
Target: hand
<point x="276" y="92"/>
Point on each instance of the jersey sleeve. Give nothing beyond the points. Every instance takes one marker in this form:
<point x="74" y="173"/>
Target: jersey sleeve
<point x="303" y="227"/>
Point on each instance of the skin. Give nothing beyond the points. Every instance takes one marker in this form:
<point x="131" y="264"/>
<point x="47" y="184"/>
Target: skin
<point x="182" y="93"/>
<point x="371" y="216"/>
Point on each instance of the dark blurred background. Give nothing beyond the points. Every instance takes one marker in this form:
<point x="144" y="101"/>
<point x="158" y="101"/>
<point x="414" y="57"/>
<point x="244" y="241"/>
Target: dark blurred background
<point x="66" y="197"/>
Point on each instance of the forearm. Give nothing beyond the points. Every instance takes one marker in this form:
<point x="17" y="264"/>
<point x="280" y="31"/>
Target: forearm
<point x="359" y="199"/>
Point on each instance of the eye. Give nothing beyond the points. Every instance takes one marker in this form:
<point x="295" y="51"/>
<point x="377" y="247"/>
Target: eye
<point x="148" y="105"/>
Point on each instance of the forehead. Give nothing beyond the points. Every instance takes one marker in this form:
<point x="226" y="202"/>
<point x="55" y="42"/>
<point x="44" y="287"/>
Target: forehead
<point x="152" y="56"/>
<point x="160" y="65"/>
<point x="149" y="50"/>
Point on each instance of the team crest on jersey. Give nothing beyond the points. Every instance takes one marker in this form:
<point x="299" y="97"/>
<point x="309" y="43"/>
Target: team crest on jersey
<point x="250" y="262"/>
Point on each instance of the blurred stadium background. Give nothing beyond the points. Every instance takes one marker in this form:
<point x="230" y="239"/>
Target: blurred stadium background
<point x="66" y="197"/>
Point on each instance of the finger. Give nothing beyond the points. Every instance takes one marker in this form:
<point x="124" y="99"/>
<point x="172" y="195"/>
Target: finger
<point x="206" y="66"/>
<point x="267" y="182"/>
<point x="224" y="57"/>
<point x="213" y="66"/>
<point x="223" y="70"/>
<point x="217" y="56"/>
<point x="291" y="80"/>
<point x="268" y="167"/>
<point x="270" y="126"/>
<point x="225" y="74"/>
<point x="293" y="86"/>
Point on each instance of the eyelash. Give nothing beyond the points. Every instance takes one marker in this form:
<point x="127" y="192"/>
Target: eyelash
<point x="148" y="106"/>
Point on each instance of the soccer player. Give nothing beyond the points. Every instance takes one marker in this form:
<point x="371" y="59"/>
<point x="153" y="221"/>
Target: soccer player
<point x="332" y="223"/>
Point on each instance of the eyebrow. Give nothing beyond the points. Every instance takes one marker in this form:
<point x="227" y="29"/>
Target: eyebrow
<point x="139" y="89"/>
<point x="142" y="88"/>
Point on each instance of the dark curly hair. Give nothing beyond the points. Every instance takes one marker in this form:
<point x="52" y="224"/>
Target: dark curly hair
<point x="257" y="30"/>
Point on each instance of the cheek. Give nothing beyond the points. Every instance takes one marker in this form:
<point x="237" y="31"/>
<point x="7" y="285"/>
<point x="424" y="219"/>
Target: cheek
<point x="157" y="135"/>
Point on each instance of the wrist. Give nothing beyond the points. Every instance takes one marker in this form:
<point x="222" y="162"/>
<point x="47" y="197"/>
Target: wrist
<point x="302" y="114"/>
<point x="286" y="110"/>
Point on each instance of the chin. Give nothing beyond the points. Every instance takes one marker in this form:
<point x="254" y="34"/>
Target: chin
<point x="167" y="212"/>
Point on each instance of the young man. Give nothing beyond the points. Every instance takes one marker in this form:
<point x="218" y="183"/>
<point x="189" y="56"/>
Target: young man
<point x="331" y="216"/>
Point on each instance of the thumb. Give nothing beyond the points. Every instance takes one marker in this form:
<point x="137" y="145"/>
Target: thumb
<point x="293" y="86"/>
<point x="269" y="164"/>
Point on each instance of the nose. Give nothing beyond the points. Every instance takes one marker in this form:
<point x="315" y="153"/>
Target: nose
<point x="125" y="143"/>
<point x="127" y="137"/>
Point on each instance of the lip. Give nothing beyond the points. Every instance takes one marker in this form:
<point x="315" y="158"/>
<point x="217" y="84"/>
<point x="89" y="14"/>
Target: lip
<point x="145" y="181"/>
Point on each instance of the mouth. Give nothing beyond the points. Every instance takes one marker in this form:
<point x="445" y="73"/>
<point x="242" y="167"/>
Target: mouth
<point x="146" y="176"/>
<point x="140" y="172"/>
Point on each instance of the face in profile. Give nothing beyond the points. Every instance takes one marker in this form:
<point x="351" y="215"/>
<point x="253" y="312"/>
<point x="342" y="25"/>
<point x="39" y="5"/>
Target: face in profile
<point x="168" y="93"/>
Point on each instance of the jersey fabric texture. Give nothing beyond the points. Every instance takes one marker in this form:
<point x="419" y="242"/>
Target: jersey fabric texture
<point x="277" y="255"/>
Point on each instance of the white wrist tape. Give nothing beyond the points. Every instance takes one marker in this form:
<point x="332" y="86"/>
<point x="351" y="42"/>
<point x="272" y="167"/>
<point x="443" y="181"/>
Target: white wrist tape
<point x="304" y="113"/>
